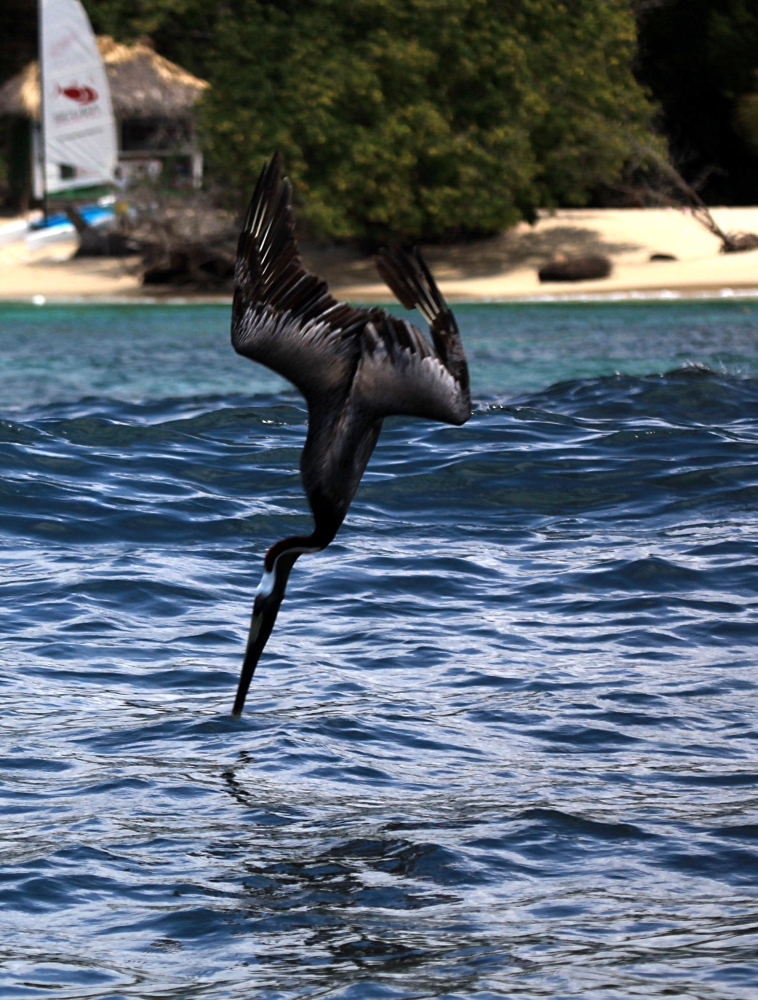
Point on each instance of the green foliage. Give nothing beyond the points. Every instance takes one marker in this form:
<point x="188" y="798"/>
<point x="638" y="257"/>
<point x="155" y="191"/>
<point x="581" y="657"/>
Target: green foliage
<point x="746" y="118"/>
<point x="18" y="36"/>
<point x="408" y="119"/>
<point x="182" y="30"/>
<point x="699" y="58"/>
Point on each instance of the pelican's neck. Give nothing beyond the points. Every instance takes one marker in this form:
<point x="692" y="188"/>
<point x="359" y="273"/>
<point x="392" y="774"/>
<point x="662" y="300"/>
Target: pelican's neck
<point x="266" y="586"/>
<point x="279" y="561"/>
<point x="283" y="555"/>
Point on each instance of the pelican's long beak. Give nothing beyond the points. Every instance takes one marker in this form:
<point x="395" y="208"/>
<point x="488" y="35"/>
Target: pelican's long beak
<point x="265" y="611"/>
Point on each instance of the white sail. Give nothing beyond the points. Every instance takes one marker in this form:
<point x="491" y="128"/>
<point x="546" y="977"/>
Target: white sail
<point x="78" y="127"/>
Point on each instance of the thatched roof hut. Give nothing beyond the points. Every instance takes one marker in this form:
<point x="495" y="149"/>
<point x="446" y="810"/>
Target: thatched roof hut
<point x="152" y="101"/>
<point x="143" y="84"/>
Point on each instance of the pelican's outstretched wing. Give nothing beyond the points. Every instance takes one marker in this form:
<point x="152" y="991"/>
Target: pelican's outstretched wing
<point x="283" y="316"/>
<point x="399" y="372"/>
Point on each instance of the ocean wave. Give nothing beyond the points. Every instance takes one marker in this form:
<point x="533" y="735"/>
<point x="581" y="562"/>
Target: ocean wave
<point x="501" y="741"/>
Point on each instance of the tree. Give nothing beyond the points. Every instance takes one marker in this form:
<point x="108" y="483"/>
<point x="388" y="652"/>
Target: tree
<point x="18" y="36"/>
<point x="699" y="57"/>
<point x="408" y="119"/>
<point x="18" y="45"/>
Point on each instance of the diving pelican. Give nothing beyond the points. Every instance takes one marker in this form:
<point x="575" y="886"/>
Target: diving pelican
<point x="354" y="366"/>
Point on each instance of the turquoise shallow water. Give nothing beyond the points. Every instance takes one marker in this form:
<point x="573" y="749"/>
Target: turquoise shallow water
<point x="503" y="740"/>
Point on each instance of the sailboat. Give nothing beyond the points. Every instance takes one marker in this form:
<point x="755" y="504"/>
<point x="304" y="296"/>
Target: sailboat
<point x="77" y="145"/>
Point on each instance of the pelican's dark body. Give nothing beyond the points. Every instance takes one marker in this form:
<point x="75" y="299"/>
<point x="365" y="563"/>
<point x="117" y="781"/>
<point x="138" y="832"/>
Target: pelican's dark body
<point x="354" y="366"/>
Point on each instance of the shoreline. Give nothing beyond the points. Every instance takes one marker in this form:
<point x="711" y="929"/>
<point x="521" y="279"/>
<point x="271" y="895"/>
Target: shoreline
<point x="714" y="294"/>
<point x="496" y="270"/>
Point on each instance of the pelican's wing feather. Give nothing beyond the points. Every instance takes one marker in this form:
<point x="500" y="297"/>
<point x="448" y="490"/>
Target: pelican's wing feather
<point x="399" y="372"/>
<point x="283" y="316"/>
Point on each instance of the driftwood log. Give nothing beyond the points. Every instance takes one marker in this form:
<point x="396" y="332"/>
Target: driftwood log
<point x="586" y="268"/>
<point x="739" y="242"/>
<point x="201" y="265"/>
<point x="97" y="241"/>
<point x="680" y="191"/>
<point x="187" y="240"/>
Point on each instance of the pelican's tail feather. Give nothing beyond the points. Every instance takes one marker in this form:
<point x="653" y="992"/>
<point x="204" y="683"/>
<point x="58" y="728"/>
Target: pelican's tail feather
<point x="412" y="282"/>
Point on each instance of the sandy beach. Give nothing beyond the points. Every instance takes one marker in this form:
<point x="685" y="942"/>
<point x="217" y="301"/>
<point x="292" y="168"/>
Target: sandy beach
<point x="500" y="268"/>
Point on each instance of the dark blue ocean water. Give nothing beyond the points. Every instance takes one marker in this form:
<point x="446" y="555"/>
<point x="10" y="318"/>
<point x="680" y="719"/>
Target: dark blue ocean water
<point x="503" y="742"/>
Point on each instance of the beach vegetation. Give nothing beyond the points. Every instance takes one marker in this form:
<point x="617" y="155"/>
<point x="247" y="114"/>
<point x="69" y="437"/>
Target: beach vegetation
<point x="408" y="119"/>
<point x="699" y="59"/>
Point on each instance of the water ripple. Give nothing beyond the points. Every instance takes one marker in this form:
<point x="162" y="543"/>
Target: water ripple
<point x="502" y="743"/>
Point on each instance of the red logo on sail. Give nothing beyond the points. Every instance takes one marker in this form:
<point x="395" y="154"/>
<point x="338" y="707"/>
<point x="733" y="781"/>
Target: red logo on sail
<point x="82" y="95"/>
